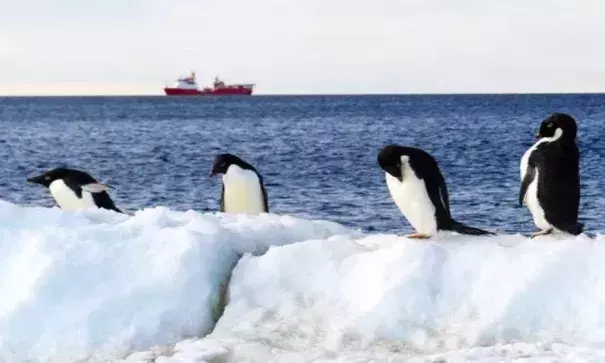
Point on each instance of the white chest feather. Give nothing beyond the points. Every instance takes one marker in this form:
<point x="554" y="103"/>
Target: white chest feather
<point x="67" y="198"/>
<point x="413" y="201"/>
<point x="242" y="193"/>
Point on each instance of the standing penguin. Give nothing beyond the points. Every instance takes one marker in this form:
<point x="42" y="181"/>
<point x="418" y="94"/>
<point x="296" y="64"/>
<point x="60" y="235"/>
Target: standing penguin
<point x="419" y="191"/>
<point x="242" y="190"/>
<point x="75" y="189"/>
<point x="550" y="177"/>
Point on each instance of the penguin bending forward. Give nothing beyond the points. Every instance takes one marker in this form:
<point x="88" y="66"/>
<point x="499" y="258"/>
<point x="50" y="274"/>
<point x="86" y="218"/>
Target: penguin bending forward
<point x="419" y="191"/>
<point x="242" y="190"/>
<point x="550" y="177"/>
<point x="74" y="189"/>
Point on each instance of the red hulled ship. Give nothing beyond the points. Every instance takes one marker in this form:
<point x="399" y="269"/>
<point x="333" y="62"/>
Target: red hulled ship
<point x="187" y="86"/>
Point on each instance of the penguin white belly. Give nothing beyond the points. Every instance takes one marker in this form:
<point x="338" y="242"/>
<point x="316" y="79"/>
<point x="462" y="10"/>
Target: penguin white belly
<point x="413" y="201"/>
<point x="242" y="193"/>
<point x="533" y="204"/>
<point x="67" y="198"/>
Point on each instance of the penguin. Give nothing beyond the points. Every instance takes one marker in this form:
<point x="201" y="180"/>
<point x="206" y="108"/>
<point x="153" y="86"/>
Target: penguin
<point x="243" y="190"/>
<point x="550" y="177"/>
<point x="74" y="189"/>
<point x="418" y="188"/>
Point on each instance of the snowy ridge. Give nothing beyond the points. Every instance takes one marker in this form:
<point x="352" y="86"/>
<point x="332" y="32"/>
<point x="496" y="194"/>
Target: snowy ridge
<point x="385" y="297"/>
<point x="98" y="285"/>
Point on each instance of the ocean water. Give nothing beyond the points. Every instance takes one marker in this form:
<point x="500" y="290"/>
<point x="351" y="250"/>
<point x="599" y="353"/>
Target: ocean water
<point x="317" y="154"/>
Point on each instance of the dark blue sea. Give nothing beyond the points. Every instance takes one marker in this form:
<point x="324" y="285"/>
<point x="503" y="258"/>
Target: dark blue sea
<point x="317" y="154"/>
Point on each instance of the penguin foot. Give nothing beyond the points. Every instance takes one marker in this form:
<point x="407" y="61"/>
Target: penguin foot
<point x="541" y="233"/>
<point x="418" y="236"/>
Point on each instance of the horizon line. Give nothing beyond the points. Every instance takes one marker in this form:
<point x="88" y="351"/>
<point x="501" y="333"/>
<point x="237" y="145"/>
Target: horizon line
<point x="159" y="95"/>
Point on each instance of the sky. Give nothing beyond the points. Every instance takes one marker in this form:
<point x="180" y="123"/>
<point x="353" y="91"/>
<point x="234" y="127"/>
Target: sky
<point x="64" y="47"/>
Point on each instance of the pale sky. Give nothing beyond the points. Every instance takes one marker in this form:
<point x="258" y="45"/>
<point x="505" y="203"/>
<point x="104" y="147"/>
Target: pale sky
<point x="303" y="46"/>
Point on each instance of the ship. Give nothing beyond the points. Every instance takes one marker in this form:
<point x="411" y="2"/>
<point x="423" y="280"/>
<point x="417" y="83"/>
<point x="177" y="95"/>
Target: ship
<point x="187" y="86"/>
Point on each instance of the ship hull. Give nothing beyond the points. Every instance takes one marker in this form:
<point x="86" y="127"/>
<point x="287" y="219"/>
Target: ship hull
<point x="227" y="91"/>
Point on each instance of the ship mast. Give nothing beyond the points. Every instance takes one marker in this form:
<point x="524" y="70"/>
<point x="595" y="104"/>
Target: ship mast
<point x="218" y="82"/>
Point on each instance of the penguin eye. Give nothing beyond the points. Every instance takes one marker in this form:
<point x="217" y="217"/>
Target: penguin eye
<point x="47" y="177"/>
<point x="550" y="124"/>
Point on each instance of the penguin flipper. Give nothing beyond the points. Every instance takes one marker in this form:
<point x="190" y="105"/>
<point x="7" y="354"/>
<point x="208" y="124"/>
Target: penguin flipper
<point x="104" y="201"/>
<point x="437" y="191"/>
<point x="530" y="175"/>
<point x="222" y="198"/>
<point x="443" y="196"/>
<point x="265" y="198"/>
<point x="464" y="229"/>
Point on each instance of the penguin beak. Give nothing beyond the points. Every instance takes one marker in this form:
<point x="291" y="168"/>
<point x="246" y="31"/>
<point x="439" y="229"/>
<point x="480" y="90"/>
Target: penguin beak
<point x="396" y="172"/>
<point x="217" y="168"/>
<point x="36" y="179"/>
<point x="214" y="171"/>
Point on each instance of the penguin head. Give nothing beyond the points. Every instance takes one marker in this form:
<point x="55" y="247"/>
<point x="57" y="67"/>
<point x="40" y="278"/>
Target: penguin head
<point x="50" y="176"/>
<point x="390" y="159"/>
<point x="558" y="125"/>
<point x="222" y="162"/>
<point x="75" y="177"/>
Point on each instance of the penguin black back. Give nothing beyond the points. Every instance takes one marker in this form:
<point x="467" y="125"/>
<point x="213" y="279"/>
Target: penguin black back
<point x="425" y="167"/>
<point x="554" y="160"/>
<point x="78" y="182"/>
<point x="102" y="200"/>
<point x="426" y="171"/>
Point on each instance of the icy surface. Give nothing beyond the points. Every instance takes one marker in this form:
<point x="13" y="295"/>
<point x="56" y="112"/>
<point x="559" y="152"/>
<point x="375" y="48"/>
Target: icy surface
<point x="99" y="285"/>
<point x="388" y="299"/>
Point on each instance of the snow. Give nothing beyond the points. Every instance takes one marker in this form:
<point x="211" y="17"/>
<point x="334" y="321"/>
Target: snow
<point x="100" y="286"/>
<point x="385" y="298"/>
